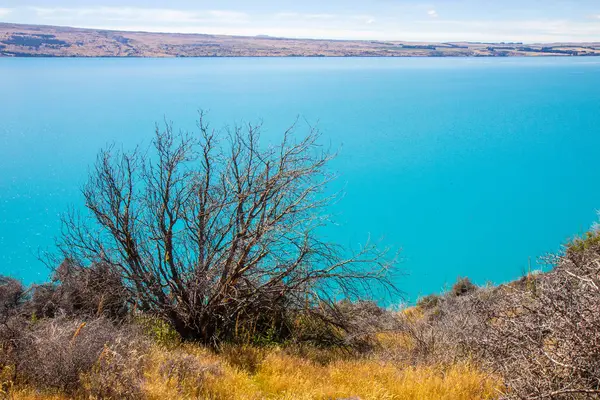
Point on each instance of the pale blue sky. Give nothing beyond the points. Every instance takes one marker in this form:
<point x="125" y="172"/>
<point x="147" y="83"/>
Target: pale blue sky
<point x="441" y="20"/>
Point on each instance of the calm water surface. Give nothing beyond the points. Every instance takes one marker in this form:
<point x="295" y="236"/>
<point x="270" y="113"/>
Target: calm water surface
<point x="471" y="166"/>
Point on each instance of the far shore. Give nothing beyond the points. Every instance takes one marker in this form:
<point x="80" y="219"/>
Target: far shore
<point x="17" y="40"/>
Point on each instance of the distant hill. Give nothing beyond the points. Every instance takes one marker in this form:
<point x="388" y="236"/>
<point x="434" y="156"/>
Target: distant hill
<point x="18" y="40"/>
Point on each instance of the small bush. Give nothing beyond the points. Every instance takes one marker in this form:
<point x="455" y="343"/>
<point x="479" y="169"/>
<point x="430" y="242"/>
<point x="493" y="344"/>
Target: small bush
<point x="462" y="287"/>
<point x="96" y="290"/>
<point x="78" y="291"/>
<point x="12" y="296"/>
<point x="315" y="331"/>
<point x="12" y="331"/>
<point x="351" y="325"/>
<point x="160" y="331"/>
<point x="44" y="302"/>
<point x="589" y="241"/>
<point x="428" y="302"/>
<point x="56" y="353"/>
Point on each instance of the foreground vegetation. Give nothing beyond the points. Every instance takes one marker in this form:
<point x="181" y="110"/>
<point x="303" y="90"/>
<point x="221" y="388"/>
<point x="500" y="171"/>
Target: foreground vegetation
<point x="535" y="338"/>
<point x="188" y="371"/>
<point x="196" y="272"/>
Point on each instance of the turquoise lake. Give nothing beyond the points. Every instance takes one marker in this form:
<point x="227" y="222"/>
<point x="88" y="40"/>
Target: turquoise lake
<point x="470" y="165"/>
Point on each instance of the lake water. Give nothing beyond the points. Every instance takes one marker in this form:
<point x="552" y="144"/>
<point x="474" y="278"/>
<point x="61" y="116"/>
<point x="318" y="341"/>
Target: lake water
<point x="471" y="166"/>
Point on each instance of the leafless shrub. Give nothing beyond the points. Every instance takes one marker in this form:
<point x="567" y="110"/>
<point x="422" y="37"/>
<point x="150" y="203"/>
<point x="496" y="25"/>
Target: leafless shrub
<point x="439" y="330"/>
<point x="57" y="353"/>
<point x="12" y="296"/>
<point x="541" y="333"/>
<point x="12" y="330"/>
<point x="220" y="237"/>
<point x="441" y="333"/>
<point x="366" y="316"/>
<point x="44" y="301"/>
<point x="544" y="334"/>
<point x="363" y="321"/>
<point x="94" y="291"/>
<point x="12" y="324"/>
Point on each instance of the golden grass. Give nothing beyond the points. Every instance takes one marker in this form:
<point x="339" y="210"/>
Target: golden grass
<point x="395" y="342"/>
<point x="277" y="374"/>
<point x="28" y="394"/>
<point x="413" y="314"/>
<point x="284" y="376"/>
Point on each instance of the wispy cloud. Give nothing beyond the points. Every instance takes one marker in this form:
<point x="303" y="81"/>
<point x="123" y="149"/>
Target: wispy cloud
<point x="146" y="15"/>
<point x="422" y="23"/>
<point x="5" y="11"/>
<point x="330" y="18"/>
<point x="293" y="15"/>
<point x="547" y="30"/>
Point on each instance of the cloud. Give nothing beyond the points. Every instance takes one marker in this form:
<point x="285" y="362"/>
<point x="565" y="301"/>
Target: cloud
<point x="229" y="15"/>
<point x="329" y="17"/>
<point x="365" y="19"/>
<point x="423" y="24"/>
<point x="5" y="11"/>
<point x="317" y="16"/>
<point x="145" y="15"/>
<point x="542" y="30"/>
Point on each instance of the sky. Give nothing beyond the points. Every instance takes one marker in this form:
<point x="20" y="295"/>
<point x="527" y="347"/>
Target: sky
<point x="411" y="20"/>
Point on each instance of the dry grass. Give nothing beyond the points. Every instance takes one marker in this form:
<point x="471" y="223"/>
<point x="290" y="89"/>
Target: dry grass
<point x="284" y="376"/>
<point x="193" y="372"/>
<point x="29" y="394"/>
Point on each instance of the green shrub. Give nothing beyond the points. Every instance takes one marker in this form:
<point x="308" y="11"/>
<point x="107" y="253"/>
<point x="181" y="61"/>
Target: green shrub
<point x="428" y="302"/>
<point x="590" y="240"/>
<point x="159" y="330"/>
